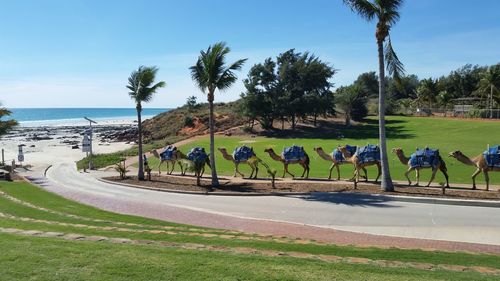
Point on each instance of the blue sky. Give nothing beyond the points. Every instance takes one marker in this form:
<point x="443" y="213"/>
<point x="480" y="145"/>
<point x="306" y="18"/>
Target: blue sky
<point x="79" y="53"/>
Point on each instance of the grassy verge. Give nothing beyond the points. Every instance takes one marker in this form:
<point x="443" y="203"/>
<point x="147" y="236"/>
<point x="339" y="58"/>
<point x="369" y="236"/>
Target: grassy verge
<point x="51" y="259"/>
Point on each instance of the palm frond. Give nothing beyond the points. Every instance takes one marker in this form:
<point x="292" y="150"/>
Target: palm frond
<point x="394" y="66"/>
<point x="140" y="84"/>
<point x="211" y="72"/>
<point x="364" y="8"/>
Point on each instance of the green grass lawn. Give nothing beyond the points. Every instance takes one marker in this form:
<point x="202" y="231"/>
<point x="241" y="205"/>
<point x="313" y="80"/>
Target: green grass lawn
<point x="469" y="136"/>
<point x="37" y="258"/>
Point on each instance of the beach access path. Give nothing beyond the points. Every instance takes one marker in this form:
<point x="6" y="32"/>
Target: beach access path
<point x="335" y="218"/>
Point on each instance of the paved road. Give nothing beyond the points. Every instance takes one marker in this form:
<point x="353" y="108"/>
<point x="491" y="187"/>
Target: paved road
<point x="347" y="212"/>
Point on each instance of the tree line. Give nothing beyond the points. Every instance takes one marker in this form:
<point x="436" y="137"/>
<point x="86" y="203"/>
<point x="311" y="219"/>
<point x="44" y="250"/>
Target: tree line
<point x="267" y="98"/>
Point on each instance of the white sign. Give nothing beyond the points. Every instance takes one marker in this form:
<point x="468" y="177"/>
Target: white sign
<point x="86" y="144"/>
<point x="20" y="156"/>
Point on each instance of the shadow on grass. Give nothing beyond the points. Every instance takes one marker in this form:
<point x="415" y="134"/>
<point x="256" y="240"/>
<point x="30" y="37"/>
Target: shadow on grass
<point x="328" y="130"/>
<point x="350" y="199"/>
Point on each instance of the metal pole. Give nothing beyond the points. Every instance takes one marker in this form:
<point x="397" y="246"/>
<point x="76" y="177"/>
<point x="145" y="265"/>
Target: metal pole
<point x="91" y="166"/>
<point x="3" y="158"/>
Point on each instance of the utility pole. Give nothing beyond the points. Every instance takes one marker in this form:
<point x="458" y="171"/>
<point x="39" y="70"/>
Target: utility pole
<point x="91" y="165"/>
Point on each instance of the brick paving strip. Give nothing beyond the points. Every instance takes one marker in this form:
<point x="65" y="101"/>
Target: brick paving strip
<point x="226" y="234"/>
<point x="252" y="251"/>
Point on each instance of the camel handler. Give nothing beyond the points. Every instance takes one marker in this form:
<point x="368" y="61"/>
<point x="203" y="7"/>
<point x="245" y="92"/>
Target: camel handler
<point x="146" y="166"/>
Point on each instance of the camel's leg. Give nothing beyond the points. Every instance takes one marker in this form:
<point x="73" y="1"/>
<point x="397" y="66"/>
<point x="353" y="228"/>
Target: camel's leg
<point x="379" y="167"/>
<point x="487" y="179"/>
<point x="434" y="171"/>
<point x="366" y="173"/>
<point x="159" y="168"/>
<point x="253" y="169"/>
<point x="445" y="176"/>
<point x="286" y="171"/>
<point x="256" y="170"/>
<point x="237" y="170"/>
<point x="477" y="172"/>
<point x="173" y="167"/>
<point x="331" y="169"/>
<point x="182" y="168"/>
<point x="406" y="174"/>
<point x="202" y="171"/>
<point x="417" y="176"/>
<point x="306" y="169"/>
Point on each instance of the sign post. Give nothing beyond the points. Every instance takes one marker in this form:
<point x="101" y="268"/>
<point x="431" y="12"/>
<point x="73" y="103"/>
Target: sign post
<point x="20" y="155"/>
<point x="89" y="142"/>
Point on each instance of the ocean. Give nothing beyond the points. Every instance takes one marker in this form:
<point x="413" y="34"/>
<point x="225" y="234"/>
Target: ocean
<point x="74" y="116"/>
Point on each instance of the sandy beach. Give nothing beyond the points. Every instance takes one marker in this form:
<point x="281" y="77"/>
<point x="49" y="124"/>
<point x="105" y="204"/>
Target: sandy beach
<point x="56" y="142"/>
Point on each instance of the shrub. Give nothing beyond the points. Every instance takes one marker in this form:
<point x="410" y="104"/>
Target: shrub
<point x="188" y="122"/>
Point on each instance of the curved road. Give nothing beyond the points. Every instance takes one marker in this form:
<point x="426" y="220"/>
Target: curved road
<point x="346" y="212"/>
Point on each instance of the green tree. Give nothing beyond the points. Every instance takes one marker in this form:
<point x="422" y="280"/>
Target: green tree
<point x="489" y="85"/>
<point x="352" y="101"/>
<point x="142" y="87"/>
<point x="427" y="91"/>
<point x="6" y="125"/>
<point x="211" y="73"/>
<point x="295" y="86"/>
<point x="191" y="103"/>
<point x="387" y="14"/>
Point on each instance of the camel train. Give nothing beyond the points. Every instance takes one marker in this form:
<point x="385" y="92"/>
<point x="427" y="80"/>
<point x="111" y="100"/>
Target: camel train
<point x="358" y="156"/>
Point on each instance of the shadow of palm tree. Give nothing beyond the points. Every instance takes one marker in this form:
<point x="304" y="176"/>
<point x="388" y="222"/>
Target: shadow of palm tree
<point x="351" y="199"/>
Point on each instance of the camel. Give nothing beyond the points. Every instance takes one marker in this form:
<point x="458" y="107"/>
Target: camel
<point x="335" y="163"/>
<point x="198" y="168"/>
<point x="358" y="165"/>
<point x="481" y="166"/>
<point x="175" y="159"/>
<point x="441" y="165"/>
<point x="304" y="162"/>
<point x="253" y="162"/>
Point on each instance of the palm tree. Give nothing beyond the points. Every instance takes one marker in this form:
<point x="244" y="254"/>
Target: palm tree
<point x="142" y="87"/>
<point x="6" y="125"/>
<point x="427" y="91"/>
<point x="489" y="84"/>
<point x="210" y="73"/>
<point x="387" y="14"/>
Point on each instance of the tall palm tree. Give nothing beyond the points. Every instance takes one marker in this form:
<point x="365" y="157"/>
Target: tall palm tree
<point x="210" y="73"/>
<point x="489" y="84"/>
<point x="142" y="87"/>
<point x="386" y="13"/>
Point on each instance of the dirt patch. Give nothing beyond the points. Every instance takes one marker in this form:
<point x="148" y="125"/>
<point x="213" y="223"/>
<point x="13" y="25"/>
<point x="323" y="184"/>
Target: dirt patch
<point x="188" y="183"/>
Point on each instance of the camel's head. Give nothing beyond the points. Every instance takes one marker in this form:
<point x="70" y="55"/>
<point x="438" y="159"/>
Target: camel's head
<point x="455" y="154"/>
<point x="268" y="150"/>
<point x="317" y="148"/>
<point x="222" y="149"/>
<point x="397" y="150"/>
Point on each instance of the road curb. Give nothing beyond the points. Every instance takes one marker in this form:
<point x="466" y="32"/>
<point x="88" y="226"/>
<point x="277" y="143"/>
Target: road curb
<point x="410" y="199"/>
<point x="217" y="193"/>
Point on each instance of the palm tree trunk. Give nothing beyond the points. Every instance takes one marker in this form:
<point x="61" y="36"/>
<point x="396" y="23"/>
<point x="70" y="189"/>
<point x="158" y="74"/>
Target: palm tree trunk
<point x="491" y="101"/>
<point x="215" y="179"/>
<point x="140" y="173"/>
<point x="387" y="184"/>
